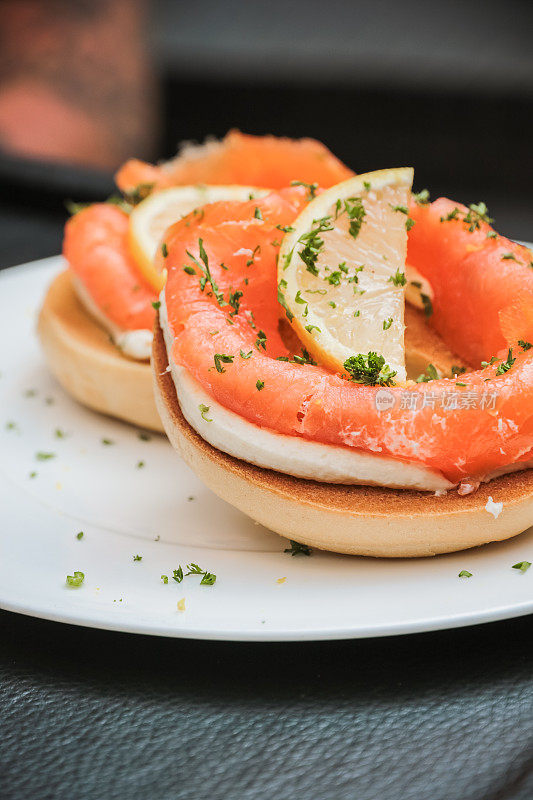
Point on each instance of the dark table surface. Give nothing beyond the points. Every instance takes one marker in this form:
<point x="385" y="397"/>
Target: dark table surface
<point x="93" y="714"/>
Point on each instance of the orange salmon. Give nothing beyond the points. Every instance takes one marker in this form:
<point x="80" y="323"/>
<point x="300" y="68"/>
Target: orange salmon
<point x="478" y="278"/>
<point x="269" y="161"/>
<point x="222" y="308"/>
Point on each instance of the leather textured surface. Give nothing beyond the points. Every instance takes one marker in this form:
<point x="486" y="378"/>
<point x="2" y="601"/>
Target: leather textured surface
<point x="95" y="715"/>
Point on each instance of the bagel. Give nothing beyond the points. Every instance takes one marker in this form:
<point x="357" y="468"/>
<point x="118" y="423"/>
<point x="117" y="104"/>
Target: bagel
<point x="357" y="520"/>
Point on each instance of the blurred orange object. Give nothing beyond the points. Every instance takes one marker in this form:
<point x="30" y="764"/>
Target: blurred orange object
<point x="76" y="82"/>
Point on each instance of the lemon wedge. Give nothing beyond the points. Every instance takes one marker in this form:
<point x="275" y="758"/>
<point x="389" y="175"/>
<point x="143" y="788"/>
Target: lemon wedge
<point x="341" y="270"/>
<point x="152" y="216"/>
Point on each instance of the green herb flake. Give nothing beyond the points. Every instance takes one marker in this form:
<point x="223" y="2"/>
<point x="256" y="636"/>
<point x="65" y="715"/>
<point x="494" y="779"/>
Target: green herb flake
<point x="311" y="328"/>
<point x="189" y="270"/>
<point x="107" y="442"/>
<point x="298" y="549"/>
<point x="79" y="535"/>
<point x="257" y="213"/>
<point x="421" y="198"/>
<point x="156" y="304"/>
<point x="140" y="465"/>
<point x="398" y="279"/>
<point x="311" y="188"/>
<point x="164" y="578"/>
<point x="42" y="456"/>
<point x="505" y="366"/>
<point x="246" y="355"/>
<point x="285" y="228"/>
<point x="75" y="580"/>
<point x="222" y="358"/>
<point x="523" y="566"/>
<point x="178" y="574"/>
<point x="137" y="557"/>
<point x="259" y="385"/>
<point x="59" y="433"/>
<point x="525" y="345"/>
<point x="313" y="243"/>
<point x="387" y="323"/>
<point x="144" y="436"/>
<point x="509" y="257"/>
<point x="164" y="250"/>
<point x="428" y="305"/>
<point x="430" y="374"/>
<point x="367" y="185"/>
<point x="465" y="574"/>
<point x="261" y="340"/>
<point x="203" y="411"/>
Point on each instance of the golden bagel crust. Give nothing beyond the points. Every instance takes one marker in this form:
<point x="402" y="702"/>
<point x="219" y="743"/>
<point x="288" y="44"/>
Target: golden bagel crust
<point x="87" y="364"/>
<point x="359" y="520"/>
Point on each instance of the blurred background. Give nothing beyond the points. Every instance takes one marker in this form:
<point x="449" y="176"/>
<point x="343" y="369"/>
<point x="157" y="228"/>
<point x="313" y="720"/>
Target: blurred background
<point x="445" y="87"/>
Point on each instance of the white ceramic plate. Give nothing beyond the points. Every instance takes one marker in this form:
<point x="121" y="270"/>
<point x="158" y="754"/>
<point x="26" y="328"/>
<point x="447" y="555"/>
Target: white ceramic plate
<point x="261" y="593"/>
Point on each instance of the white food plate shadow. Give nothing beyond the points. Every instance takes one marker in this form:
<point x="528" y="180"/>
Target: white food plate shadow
<point x="131" y="495"/>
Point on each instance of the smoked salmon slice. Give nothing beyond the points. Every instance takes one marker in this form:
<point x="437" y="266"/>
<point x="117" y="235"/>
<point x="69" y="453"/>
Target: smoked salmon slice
<point x="269" y="161"/>
<point x="477" y="277"/>
<point x="96" y="249"/>
<point x="222" y="312"/>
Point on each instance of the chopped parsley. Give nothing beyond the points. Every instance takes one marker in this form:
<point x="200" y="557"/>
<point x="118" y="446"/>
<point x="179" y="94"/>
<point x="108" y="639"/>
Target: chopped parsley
<point x="409" y="223"/>
<point x="421" y="198"/>
<point x="75" y="580"/>
<point x="525" y="345"/>
<point x="208" y="578"/>
<point x="259" y="385"/>
<point x="164" y="578"/>
<point x="164" y="250"/>
<point x="523" y="566"/>
<point x="79" y="535"/>
<point x="356" y="214"/>
<point x="107" y="442"/>
<point x="257" y="213"/>
<point x="311" y="188"/>
<point x="332" y="303"/>
<point x="387" y="323"/>
<point x="401" y="209"/>
<point x="11" y="426"/>
<point x="509" y="257"/>
<point x="369" y="369"/>
<point x="491" y="235"/>
<point x="189" y="270"/>
<point x="203" y="411"/>
<point x="42" y="456"/>
<point x="428" y="305"/>
<point x="261" y="340"/>
<point x="137" y="557"/>
<point x="144" y="436"/>
<point x="281" y="300"/>
<point x="156" y="304"/>
<point x="398" y="279"/>
<point x="334" y="278"/>
<point x="255" y="251"/>
<point x="311" y="328"/>
<point x="505" y="366"/>
<point x="246" y="355"/>
<point x="140" y="465"/>
<point x="465" y="574"/>
<point x="367" y="185"/>
<point x="476" y="214"/>
<point x="298" y="549"/>
<point x="285" y="228"/>
<point x="203" y="266"/>
<point x="234" y="301"/>
<point x="457" y="370"/>
<point x="430" y="374"/>
<point x="59" y="433"/>
<point x="222" y="358"/>
<point x="313" y="243"/>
